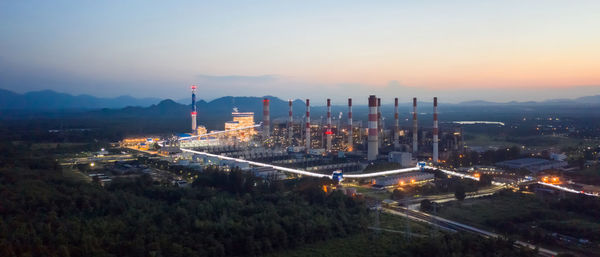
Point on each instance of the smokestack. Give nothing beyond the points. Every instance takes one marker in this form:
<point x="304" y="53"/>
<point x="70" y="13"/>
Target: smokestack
<point x="290" y="123"/>
<point x="435" y="131"/>
<point x="372" y="150"/>
<point x="194" y="112"/>
<point x="328" y="132"/>
<point x="397" y="125"/>
<point x="350" y="143"/>
<point x="415" y="148"/>
<point x="379" y="127"/>
<point x="266" y="119"/>
<point x="307" y="125"/>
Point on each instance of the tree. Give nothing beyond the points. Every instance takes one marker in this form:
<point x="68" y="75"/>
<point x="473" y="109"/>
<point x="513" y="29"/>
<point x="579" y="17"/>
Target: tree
<point x="459" y="193"/>
<point x="397" y="194"/>
<point x="426" y="205"/>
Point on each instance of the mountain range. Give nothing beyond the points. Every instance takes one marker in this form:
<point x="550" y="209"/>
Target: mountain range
<point x="51" y="100"/>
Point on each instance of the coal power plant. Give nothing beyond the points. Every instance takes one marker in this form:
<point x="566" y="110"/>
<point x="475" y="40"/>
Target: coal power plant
<point x="320" y="137"/>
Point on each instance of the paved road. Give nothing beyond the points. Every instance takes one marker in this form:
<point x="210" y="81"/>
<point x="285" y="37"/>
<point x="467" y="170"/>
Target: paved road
<point x="455" y="226"/>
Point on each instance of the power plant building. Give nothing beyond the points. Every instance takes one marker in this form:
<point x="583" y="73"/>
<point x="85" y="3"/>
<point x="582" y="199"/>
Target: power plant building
<point x="241" y="120"/>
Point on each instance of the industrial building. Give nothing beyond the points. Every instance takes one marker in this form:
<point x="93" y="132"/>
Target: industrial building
<point x="532" y="164"/>
<point x="241" y="120"/>
<point x="403" y="158"/>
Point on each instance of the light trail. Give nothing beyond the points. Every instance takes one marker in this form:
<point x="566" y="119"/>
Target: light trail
<point x="221" y="131"/>
<point x="479" y="122"/>
<point x="381" y="173"/>
<point x="300" y="172"/>
<point x="452" y="173"/>
<point x="566" y="189"/>
<point x="319" y="175"/>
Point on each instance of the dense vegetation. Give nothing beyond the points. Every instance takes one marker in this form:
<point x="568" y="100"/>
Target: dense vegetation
<point x="44" y="214"/>
<point x="395" y="244"/>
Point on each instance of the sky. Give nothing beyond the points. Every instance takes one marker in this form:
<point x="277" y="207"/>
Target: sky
<point x="456" y="50"/>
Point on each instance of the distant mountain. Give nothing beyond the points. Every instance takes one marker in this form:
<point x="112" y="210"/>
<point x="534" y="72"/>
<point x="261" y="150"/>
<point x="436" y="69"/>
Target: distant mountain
<point x="51" y="100"/>
<point x="586" y="100"/>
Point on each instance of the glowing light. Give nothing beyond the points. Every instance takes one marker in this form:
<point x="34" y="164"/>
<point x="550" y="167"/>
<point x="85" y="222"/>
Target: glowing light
<point x="412" y="181"/>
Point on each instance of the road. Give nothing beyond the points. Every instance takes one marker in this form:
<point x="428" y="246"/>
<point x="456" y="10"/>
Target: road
<point x="442" y="198"/>
<point x="449" y="225"/>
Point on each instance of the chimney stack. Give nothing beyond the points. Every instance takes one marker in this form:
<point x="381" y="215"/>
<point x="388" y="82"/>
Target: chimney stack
<point x="290" y="124"/>
<point x="379" y="127"/>
<point x="350" y="143"/>
<point x="372" y="150"/>
<point x="194" y="112"/>
<point x="435" y="131"/>
<point x="328" y="131"/>
<point x="415" y="148"/>
<point x="307" y="125"/>
<point x="397" y="125"/>
<point x="266" y="119"/>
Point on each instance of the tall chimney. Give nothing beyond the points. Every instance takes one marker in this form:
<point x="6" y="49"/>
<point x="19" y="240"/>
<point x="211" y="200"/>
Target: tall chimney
<point x="350" y="143"/>
<point x="328" y="131"/>
<point x="307" y="125"/>
<point x="266" y="119"/>
<point x="379" y="127"/>
<point x="372" y="150"/>
<point x="435" y="131"/>
<point x="194" y="112"/>
<point x="415" y="148"/>
<point x="290" y="123"/>
<point x="397" y="125"/>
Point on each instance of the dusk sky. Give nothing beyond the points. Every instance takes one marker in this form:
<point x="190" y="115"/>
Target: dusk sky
<point x="457" y="50"/>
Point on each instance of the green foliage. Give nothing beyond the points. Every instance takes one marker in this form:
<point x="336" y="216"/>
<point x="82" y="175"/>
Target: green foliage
<point x="426" y="205"/>
<point x="459" y="193"/>
<point x="223" y="214"/>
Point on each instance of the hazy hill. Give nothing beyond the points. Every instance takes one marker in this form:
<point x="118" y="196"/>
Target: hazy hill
<point x="51" y="100"/>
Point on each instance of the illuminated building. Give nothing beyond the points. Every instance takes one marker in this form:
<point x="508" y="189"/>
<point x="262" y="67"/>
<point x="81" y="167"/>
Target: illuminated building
<point x="241" y="120"/>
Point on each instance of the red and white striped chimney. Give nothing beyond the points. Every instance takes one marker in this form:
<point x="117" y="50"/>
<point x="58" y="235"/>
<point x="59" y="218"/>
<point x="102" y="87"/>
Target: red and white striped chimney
<point x="396" y="124"/>
<point x="350" y="143"/>
<point x="266" y="119"/>
<point x="372" y="150"/>
<point x="307" y="125"/>
<point x="328" y="132"/>
<point x="379" y="127"/>
<point x="435" y="131"/>
<point x="415" y="148"/>
<point x="290" y="123"/>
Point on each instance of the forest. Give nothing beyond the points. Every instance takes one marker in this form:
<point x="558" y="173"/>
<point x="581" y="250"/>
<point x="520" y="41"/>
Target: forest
<point x="45" y="213"/>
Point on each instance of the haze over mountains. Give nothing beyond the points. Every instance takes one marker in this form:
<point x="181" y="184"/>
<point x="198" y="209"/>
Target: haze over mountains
<point x="51" y="100"/>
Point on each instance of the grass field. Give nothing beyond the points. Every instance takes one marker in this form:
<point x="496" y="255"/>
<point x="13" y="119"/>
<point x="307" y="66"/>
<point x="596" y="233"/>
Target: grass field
<point x="477" y="139"/>
<point x="523" y="216"/>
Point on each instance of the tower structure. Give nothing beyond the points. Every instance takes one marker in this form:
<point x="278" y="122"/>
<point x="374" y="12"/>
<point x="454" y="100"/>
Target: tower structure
<point x="194" y="112"/>
<point x="379" y="126"/>
<point x="396" y="125"/>
<point x="435" y="131"/>
<point x="266" y="119"/>
<point x="290" y="123"/>
<point x="415" y="143"/>
<point x="372" y="146"/>
<point x="328" y="132"/>
<point x="350" y="143"/>
<point x="307" y="125"/>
